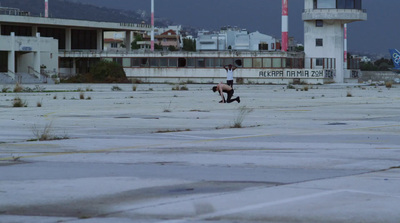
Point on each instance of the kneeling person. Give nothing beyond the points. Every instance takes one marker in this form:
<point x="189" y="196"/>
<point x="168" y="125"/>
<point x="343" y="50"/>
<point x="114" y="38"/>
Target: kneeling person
<point x="223" y="88"/>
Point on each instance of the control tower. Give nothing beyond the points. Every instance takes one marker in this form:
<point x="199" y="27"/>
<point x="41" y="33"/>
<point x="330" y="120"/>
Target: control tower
<point x="324" y="32"/>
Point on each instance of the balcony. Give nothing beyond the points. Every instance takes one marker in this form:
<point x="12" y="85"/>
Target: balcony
<point x="348" y="15"/>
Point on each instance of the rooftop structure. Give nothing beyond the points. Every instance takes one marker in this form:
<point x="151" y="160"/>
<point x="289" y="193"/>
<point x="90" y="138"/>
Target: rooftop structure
<point x="235" y="39"/>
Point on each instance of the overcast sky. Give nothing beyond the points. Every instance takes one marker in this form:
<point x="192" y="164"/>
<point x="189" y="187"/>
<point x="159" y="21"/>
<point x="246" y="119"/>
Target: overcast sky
<point x="376" y="35"/>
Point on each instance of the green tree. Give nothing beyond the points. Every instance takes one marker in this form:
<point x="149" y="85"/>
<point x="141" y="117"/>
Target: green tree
<point x="368" y="66"/>
<point x="379" y="65"/>
<point x="134" y="44"/>
<point x="172" y="48"/>
<point x="158" y="47"/>
<point x="299" y="49"/>
<point x="189" y="45"/>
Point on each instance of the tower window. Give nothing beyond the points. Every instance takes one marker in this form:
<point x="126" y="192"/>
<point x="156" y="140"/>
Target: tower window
<point x="319" y="62"/>
<point x="319" y="42"/>
<point x="319" y="23"/>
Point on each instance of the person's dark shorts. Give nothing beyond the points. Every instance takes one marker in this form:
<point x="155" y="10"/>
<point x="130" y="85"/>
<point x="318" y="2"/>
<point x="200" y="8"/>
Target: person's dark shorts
<point x="230" y="83"/>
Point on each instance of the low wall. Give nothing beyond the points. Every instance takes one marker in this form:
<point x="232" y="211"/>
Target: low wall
<point x="379" y="76"/>
<point x="260" y="76"/>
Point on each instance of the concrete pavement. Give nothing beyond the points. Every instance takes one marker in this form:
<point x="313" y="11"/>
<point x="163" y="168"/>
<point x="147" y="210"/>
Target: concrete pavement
<point x="158" y="155"/>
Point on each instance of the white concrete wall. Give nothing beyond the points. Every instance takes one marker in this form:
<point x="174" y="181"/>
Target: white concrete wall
<point x="332" y="34"/>
<point x="33" y="52"/>
<point x="50" y="58"/>
<point x="24" y="61"/>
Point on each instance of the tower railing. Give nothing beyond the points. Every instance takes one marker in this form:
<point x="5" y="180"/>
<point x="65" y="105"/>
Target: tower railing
<point x="333" y="10"/>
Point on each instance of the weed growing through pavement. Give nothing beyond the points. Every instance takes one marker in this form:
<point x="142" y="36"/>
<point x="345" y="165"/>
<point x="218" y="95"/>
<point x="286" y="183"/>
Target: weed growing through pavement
<point x="180" y="88"/>
<point x="18" y="103"/>
<point x="18" y="88"/>
<point x="116" y="88"/>
<point x="388" y="84"/>
<point x="168" y="108"/>
<point x="349" y="94"/>
<point x="5" y="89"/>
<point x="176" y="130"/>
<point x="290" y="86"/>
<point x="243" y="111"/>
<point x="81" y="95"/>
<point x="39" y="103"/>
<point x="134" y="87"/>
<point x="45" y="134"/>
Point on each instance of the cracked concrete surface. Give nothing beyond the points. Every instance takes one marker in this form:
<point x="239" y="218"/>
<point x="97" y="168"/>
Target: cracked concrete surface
<point x="302" y="156"/>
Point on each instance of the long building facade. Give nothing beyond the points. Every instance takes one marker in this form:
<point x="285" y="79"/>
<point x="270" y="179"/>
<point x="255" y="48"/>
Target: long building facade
<point x="63" y="47"/>
<point x="37" y="45"/>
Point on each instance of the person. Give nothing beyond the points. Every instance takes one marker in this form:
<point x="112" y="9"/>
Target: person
<point x="224" y="88"/>
<point x="229" y="74"/>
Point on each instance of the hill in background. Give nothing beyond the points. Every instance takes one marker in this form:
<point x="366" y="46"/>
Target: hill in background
<point x="74" y="10"/>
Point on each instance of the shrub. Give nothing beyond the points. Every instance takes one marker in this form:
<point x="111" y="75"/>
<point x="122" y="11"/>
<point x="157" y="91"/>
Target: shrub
<point x="109" y="72"/>
<point x="180" y="88"/>
<point x="102" y="72"/>
<point x="82" y="95"/>
<point x="388" y="84"/>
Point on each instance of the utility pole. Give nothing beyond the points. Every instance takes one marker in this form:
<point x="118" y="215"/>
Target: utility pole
<point x="46" y="8"/>
<point x="345" y="47"/>
<point x="152" y="25"/>
<point x="285" y="25"/>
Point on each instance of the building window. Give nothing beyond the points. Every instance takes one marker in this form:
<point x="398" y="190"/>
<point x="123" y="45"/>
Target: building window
<point x="326" y="4"/>
<point x="319" y="62"/>
<point x="263" y="46"/>
<point x="338" y="4"/>
<point x="276" y="62"/>
<point x="319" y="42"/>
<point x="257" y="62"/>
<point x="319" y="23"/>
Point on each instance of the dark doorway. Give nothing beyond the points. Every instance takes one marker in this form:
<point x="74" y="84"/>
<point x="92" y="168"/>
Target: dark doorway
<point x="3" y="61"/>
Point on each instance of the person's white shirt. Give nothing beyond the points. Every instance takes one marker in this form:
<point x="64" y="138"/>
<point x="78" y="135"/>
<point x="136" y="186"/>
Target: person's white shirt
<point x="229" y="75"/>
